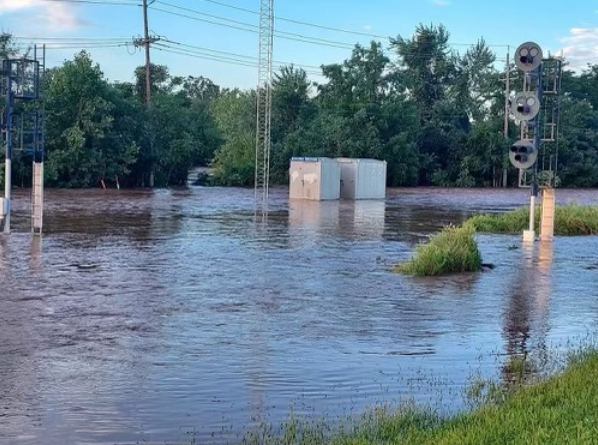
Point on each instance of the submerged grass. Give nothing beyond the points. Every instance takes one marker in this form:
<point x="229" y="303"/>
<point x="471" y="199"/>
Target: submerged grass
<point x="453" y="250"/>
<point x="572" y="219"/>
<point x="561" y="409"/>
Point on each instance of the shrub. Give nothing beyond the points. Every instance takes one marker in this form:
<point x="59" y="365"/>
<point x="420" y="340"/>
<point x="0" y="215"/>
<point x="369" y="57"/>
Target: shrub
<point x="453" y="250"/>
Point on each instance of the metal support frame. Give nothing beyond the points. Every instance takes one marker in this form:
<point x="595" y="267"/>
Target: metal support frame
<point x="547" y="82"/>
<point x="25" y="132"/>
<point x="264" y="104"/>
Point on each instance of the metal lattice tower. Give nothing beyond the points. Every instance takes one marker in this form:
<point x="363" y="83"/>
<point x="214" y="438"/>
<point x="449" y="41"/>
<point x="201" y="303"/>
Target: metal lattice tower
<point x="550" y="79"/>
<point x="264" y="104"/>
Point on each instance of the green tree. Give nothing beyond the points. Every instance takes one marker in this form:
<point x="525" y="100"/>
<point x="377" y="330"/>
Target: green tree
<point x="88" y="137"/>
<point x="578" y="145"/>
<point x="291" y="109"/>
<point x="426" y="66"/>
<point x="184" y="136"/>
<point x="234" y="113"/>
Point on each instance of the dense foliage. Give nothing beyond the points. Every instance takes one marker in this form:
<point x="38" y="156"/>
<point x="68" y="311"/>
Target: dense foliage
<point x="435" y="115"/>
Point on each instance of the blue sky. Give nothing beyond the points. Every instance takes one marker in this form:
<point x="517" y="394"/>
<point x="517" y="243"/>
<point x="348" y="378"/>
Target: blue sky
<point x="571" y="27"/>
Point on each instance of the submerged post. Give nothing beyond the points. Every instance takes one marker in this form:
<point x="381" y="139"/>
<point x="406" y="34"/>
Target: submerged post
<point x="37" y="200"/>
<point x="8" y="152"/>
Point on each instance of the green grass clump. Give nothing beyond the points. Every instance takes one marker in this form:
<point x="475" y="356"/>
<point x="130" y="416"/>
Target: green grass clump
<point x="453" y="250"/>
<point x="570" y="220"/>
<point x="574" y="219"/>
<point x="514" y="221"/>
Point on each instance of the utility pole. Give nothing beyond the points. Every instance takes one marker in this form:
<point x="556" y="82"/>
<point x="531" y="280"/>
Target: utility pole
<point x="506" y="123"/>
<point x="146" y="42"/>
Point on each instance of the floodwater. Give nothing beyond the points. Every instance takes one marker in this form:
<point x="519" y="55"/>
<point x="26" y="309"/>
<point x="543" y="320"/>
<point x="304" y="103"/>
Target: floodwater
<point x="170" y="315"/>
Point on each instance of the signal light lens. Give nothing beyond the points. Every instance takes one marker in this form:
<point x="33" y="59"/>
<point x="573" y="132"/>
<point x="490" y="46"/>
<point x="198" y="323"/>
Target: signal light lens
<point x="526" y="59"/>
<point x="527" y="149"/>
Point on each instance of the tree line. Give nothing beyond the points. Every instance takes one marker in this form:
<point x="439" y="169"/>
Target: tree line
<point x="435" y="115"/>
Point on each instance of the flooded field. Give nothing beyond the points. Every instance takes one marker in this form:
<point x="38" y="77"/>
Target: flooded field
<point x="163" y="316"/>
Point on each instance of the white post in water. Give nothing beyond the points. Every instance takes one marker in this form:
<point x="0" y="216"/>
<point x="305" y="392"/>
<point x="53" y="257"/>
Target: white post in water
<point x="37" y="200"/>
<point x="7" y="187"/>
<point x="530" y="234"/>
<point x="8" y="153"/>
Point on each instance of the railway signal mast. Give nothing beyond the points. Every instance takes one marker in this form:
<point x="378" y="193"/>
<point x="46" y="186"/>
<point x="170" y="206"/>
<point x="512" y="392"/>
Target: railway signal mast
<point x="537" y="109"/>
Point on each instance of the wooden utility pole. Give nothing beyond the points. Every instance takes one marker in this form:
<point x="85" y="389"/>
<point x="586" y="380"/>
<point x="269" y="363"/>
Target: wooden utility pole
<point x="146" y="43"/>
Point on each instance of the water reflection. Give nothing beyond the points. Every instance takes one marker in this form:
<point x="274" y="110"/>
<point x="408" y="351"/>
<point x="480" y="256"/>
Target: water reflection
<point x="311" y="220"/>
<point x="527" y="310"/>
<point x="3" y="258"/>
<point x="35" y="254"/>
<point x="362" y="219"/>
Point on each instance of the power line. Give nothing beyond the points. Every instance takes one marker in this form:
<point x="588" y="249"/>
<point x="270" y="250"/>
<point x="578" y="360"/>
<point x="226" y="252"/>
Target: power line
<point x="99" y="2"/>
<point x="173" y="50"/>
<point x="249" y="27"/>
<point x="70" y="38"/>
<point x="224" y="59"/>
<point x="226" y="53"/>
<point x="299" y="22"/>
<point x="86" y="46"/>
<point x="327" y="27"/>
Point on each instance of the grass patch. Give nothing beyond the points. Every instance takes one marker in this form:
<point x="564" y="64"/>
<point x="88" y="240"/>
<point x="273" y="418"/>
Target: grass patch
<point x="453" y="250"/>
<point x="570" y="220"/>
<point x="561" y="409"/>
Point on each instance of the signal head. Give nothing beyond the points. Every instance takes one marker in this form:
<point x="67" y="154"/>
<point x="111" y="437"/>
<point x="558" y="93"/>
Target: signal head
<point x="523" y="154"/>
<point x="525" y="106"/>
<point x="528" y="56"/>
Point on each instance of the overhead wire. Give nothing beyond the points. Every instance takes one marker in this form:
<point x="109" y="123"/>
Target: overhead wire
<point x="327" y="27"/>
<point x="226" y="53"/>
<point x="208" y="53"/>
<point x="248" y="27"/>
<point x="69" y="38"/>
<point x="99" y="2"/>
<point x="229" y="58"/>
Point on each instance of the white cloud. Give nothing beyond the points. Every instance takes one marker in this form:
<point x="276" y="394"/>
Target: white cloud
<point x="368" y="27"/>
<point x="49" y="16"/>
<point x="14" y="5"/>
<point x="580" y="47"/>
<point x="441" y="2"/>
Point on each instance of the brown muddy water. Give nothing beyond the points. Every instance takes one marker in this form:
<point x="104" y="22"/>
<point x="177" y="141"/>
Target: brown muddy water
<point x="171" y="315"/>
